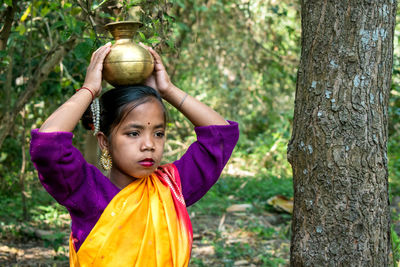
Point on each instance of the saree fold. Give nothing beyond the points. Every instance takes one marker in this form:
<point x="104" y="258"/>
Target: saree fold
<point x="145" y="224"/>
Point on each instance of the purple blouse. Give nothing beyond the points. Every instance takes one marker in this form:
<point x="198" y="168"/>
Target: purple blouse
<point x="86" y="192"/>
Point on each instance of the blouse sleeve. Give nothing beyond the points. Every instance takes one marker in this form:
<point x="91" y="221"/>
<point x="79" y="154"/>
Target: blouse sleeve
<point x="202" y="164"/>
<point x="66" y="175"/>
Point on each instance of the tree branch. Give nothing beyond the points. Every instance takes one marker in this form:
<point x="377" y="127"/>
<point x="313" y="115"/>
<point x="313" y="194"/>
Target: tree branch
<point x="6" y="29"/>
<point x="41" y="73"/>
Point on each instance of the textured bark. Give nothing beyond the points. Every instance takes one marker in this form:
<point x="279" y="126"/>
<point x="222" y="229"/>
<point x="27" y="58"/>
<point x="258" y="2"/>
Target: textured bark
<point x="338" y="148"/>
<point x="8" y="20"/>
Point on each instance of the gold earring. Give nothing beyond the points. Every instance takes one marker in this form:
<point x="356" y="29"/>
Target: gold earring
<point x="105" y="160"/>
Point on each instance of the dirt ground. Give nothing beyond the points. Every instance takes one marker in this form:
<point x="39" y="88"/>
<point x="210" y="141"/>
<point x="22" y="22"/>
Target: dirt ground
<point x="212" y="234"/>
<point x="238" y="238"/>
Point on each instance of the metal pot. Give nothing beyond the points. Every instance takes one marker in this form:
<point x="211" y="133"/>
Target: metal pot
<point x="127" y="63"/>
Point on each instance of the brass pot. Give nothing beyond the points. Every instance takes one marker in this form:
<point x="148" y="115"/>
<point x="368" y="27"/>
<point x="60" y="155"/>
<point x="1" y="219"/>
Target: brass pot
<point x="127" y="63"/>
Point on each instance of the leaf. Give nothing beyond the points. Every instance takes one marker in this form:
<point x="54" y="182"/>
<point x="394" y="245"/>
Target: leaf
<point x="21" y="29"/>
<point x="44" y="11"/>
<point x="67" y="5"/>
<point x="26" y="13"/>
<point x="8" y="2"/>
<point x="239" y="207"/>
<point x="170" y="43"/>
<point x="3" y="156"/>
<point x="70" y="21"/>
<point x="65" y="35"/>
<point x="83" y="50"/>
<point x="142" y="36"/>
<point x="153" y="40"/>
<point x="281" y="203"/>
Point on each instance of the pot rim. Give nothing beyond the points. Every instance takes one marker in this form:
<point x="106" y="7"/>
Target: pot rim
<point x="128" y="22"/>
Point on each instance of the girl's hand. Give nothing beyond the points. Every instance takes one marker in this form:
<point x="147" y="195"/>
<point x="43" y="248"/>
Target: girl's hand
<point x="159" y="79"/>
<point x="94" y="70"/>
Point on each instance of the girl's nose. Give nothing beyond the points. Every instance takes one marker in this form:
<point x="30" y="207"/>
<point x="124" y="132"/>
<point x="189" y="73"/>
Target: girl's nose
<point x="148" y="144"/>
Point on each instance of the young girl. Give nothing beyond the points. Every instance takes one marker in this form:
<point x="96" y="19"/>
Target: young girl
<point x="137" y="216"/>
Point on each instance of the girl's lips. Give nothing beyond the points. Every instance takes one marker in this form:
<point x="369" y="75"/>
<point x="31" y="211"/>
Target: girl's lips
<point x="147" y="162"/>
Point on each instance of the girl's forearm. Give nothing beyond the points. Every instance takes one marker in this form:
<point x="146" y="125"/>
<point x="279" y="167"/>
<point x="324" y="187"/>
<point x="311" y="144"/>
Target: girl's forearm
<point x="67" y="116"/>
<point x="197" y="112"/>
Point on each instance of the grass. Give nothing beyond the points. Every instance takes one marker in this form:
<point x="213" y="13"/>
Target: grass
<point x="247" y="237"/>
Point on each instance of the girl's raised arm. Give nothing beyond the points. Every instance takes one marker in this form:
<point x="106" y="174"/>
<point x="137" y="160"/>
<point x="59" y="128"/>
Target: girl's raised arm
<point x="67" y="116"/>
<point x="198" y="113"/>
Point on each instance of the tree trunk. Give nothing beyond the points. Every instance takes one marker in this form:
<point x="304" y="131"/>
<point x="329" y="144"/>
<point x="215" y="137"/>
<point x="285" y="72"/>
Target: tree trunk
<point x="338" y="148"/>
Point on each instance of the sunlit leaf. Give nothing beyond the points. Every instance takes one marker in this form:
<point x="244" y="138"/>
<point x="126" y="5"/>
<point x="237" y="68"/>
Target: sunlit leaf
<point x="3" y="156"/>
<point x="153" y="40"/>
<point x="67" y="5"/>
<point x="75" y="11"/>
<point x="26" y="13"/>
<point x="142" y="36"/>
<point x="281" y="203"/>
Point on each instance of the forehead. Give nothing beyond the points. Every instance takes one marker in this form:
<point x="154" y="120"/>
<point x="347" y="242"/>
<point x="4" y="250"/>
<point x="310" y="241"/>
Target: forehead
<point x="148" y="112"/>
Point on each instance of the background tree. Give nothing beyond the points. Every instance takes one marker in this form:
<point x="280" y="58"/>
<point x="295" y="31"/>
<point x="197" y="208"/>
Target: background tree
<point x="338" y="149"/>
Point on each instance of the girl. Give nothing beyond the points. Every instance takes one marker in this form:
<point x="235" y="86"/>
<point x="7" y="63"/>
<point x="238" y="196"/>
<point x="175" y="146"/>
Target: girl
<point x="137" y="216"/>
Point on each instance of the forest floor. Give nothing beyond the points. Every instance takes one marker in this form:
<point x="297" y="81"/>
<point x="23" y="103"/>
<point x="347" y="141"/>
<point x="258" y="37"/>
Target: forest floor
<point x="233" y="225"/>
<point x="226" y="240"/>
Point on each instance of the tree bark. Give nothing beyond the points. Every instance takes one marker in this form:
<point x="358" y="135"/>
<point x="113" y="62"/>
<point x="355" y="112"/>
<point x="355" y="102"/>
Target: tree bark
<point x="41" y="73"/>
<point x="8" y="20"/>
<point x="338" y="149"/>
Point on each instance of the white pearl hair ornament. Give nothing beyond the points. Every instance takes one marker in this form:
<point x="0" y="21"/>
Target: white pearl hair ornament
<point x="95" y="107"/>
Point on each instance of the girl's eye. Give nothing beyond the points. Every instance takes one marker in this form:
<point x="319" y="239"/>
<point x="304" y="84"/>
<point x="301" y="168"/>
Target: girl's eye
<point x="133" y="134"/>
<point x="160" y="134"/>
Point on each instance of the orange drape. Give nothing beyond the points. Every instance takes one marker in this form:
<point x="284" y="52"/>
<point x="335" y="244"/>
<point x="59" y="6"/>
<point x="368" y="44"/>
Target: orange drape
<point x="146" y="224"/>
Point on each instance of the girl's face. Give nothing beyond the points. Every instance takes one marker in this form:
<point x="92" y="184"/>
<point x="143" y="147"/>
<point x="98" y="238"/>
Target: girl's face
<point x="137" y="143"/>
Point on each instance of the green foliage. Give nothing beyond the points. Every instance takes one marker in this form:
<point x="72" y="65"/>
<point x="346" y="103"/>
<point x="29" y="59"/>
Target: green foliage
<point x="240" y="59"/>
<point x="395" y="246"/>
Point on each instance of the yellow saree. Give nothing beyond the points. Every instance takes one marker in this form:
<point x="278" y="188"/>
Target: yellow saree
<point x="145" y="224"/>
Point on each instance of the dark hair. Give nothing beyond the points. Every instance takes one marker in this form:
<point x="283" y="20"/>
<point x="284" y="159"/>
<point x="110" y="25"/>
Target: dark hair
<point x="116" y="103"/>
